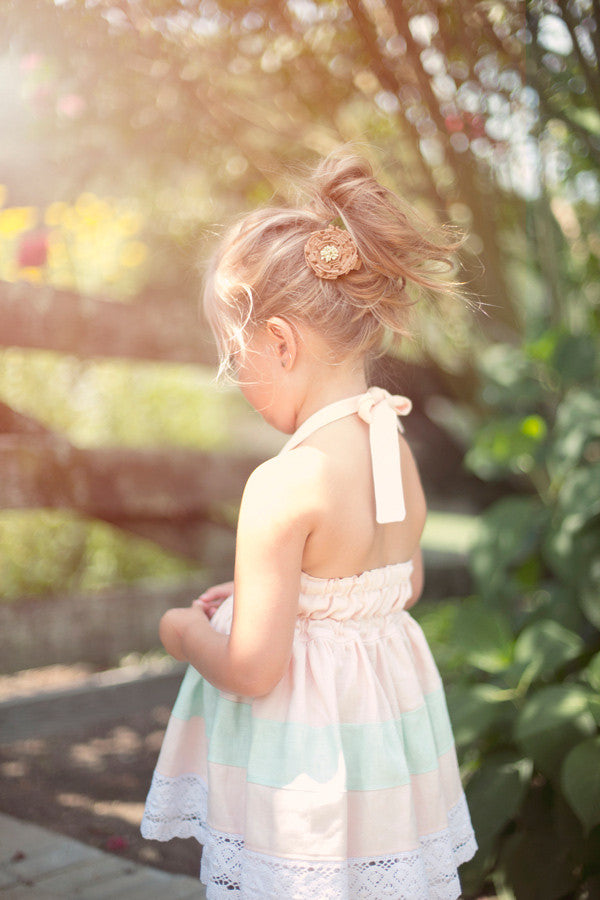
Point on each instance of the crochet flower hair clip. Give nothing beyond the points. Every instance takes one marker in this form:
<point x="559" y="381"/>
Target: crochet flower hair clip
<point x="331" y="253"/>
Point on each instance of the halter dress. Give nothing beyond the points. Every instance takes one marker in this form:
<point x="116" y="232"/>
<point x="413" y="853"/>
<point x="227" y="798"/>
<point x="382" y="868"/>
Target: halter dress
<point x="342" y="783"/>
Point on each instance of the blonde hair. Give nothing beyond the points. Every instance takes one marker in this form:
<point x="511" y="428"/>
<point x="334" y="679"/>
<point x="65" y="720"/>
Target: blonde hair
<point x="260" y="270"/>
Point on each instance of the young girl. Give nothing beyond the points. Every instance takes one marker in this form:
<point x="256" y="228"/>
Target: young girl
<point x="310" y="749"/>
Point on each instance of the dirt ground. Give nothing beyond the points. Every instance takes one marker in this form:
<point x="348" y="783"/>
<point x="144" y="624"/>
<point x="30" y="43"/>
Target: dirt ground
<point x="90" y="784"/>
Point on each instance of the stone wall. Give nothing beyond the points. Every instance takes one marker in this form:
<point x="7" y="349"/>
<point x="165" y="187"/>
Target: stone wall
<point x="101" y="628"/>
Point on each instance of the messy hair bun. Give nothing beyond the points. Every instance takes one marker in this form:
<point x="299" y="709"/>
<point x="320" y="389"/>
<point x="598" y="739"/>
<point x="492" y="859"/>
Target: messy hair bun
<point x="260" y="269"/>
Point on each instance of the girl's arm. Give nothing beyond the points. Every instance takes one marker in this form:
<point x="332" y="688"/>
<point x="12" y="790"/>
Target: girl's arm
<point x="277" y="514"/>
<point x="417" y="505"/>
<point x="416" y="579"/>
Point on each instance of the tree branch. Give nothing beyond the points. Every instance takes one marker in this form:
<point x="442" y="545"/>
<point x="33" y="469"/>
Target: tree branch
<point x="465" y="175"/>
<point x="590" y="74"/>
<point x="537" y="75"/>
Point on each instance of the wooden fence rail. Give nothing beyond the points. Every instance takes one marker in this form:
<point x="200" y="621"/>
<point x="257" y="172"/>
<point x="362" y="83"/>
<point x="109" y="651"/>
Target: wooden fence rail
<point x="152" y="327"/>
<point x="167" y="496"/>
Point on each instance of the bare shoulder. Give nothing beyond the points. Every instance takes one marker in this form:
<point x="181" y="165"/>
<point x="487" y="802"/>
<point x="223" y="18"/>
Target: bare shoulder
<point x="292" y="482"/>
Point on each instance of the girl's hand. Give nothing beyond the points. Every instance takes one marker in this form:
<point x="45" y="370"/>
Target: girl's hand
<point x="212" y="598"/>
<point x="189" y="637"/>
<point x="175" y="625"/>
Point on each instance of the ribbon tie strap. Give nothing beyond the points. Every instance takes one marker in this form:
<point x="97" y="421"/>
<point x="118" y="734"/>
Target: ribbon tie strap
<point x="379" y="409"/>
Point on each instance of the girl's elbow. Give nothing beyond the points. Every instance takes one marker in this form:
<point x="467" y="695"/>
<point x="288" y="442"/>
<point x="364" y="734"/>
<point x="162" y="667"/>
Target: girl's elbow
<point x="258" y="682"/>
<point x="165" y="627"/>
<point x="415" y="595"/>
<point x="254" y="690"/>
<point x="416" y="584"/>
<point x="256" y="686"/>
<point x="256" y="668"/>
<point x="169" y="633"/>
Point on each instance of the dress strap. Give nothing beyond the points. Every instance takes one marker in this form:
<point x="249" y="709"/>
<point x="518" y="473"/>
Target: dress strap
<point x="379" y="409"/>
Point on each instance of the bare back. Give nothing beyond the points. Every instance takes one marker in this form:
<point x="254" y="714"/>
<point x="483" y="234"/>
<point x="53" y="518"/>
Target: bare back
<point x="347" y="539"/>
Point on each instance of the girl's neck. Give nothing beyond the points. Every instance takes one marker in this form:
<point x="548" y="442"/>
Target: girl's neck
<point x="336" y="384"/>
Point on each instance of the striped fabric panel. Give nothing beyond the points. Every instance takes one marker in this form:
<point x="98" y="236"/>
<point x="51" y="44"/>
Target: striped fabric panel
<point x="285" y="822"/>
<point x="375" y="755"/>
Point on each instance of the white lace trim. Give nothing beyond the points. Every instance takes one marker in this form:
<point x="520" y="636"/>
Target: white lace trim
<point x="176" y="807"/>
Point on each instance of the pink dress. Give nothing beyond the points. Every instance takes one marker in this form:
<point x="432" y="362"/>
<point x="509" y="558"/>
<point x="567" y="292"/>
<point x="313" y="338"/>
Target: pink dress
<point x="342" y="783"/>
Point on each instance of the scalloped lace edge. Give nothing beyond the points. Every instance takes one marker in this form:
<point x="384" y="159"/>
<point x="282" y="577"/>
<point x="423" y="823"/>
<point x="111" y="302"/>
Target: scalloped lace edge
<point x="176" y="807"/>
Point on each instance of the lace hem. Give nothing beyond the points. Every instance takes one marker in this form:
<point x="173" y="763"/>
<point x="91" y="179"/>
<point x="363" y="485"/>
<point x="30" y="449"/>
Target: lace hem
<point x="176" y="807"/>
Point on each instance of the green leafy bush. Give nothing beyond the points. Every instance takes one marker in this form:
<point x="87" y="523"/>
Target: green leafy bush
<point x="45" y="552"/>
<point x="522" y="656"/>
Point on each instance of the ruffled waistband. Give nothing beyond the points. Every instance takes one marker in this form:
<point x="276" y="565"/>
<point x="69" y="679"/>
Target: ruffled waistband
<point x="366" y="597"/>
<point x="370" y="580"/>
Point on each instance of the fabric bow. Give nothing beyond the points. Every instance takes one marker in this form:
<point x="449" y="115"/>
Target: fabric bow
<point x="376" y="395"/>
<point x="379" y="409"/>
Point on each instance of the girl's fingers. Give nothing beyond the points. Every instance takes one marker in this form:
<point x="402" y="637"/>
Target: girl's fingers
<point x="212" y="598"/>
<point x="208" y="607"/>
<point x="203" y="603"/>
<point x="207" y="604"/>
<point x="217" y="592"/>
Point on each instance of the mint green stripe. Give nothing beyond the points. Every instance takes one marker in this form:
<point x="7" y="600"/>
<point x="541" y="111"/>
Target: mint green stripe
<point x="196" y="697"/>
<point x="189" y="699"/>
<point x="375" y="755"/>
<point x="231" y="734"/>
<point x="437" y="711"/>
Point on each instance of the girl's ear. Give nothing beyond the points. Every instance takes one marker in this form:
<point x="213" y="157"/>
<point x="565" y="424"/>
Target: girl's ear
<point x="283" y="339"/>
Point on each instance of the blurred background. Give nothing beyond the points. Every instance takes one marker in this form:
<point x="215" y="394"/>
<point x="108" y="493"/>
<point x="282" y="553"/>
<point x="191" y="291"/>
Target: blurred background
<point x="130" y="133"/>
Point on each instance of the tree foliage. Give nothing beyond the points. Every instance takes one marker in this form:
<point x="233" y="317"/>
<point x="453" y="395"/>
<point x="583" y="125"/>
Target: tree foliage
<point x="205" y="103"/>
<point x="525" y="650"/>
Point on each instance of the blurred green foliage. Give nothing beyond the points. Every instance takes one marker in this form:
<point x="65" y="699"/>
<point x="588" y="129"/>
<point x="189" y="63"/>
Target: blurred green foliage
<point x="43" y="552"/>
<point x="122" y="402"/>
<point x="433" y="94"/>
<point x="522" y="655"/>
<point x="109" y="403"/>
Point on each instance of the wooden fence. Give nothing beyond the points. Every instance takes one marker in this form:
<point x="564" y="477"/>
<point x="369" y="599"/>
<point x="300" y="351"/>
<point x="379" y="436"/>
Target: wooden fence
<point x="172" y="496"/>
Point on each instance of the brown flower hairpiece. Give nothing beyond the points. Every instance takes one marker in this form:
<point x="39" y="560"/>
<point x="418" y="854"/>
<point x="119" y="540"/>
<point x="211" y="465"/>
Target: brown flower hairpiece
<point x="331" y="253"/>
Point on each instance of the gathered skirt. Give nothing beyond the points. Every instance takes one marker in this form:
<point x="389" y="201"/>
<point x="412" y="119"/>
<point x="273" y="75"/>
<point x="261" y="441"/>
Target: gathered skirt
<point x="340" y="784"/>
